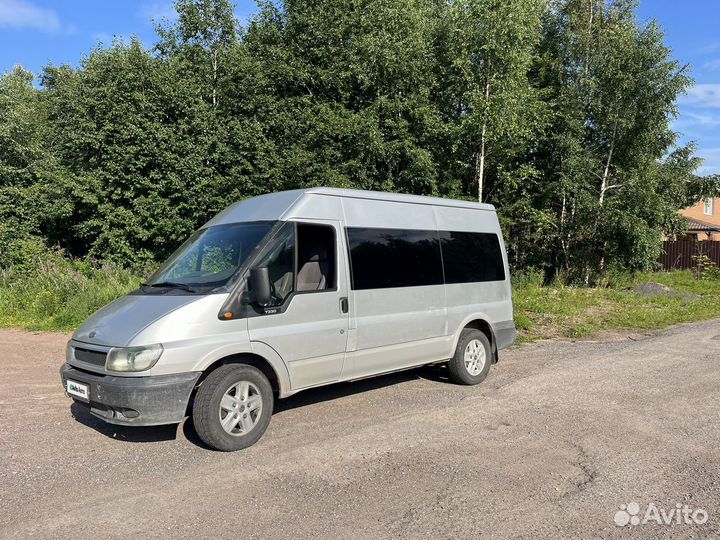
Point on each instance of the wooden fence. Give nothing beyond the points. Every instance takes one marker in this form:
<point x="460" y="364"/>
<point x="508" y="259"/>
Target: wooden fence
<point x="678" y="254"/>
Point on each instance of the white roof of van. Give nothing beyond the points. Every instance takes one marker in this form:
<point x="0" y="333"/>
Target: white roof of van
<point x="274" y="206"/>
<point x="396" y="197"/>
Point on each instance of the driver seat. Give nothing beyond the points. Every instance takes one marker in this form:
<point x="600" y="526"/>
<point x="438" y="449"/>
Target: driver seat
<point x="313" y="275"/>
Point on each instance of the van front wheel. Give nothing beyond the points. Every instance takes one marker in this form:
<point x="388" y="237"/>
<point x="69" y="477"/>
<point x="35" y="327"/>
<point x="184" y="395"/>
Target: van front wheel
<point x="233" y="407"/>
<point x="472" y="359"/>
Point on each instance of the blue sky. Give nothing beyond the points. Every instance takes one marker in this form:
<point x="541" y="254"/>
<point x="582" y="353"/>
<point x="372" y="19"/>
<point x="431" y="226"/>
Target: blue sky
<point x="36" y="32"/>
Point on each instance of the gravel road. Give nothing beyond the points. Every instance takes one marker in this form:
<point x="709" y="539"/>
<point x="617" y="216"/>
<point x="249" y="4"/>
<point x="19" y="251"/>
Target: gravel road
<point x="557" y="438"/>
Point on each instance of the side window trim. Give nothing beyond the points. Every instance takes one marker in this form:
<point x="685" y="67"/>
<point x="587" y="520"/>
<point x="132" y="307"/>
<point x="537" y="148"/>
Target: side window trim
<point x="499" y="264"/>
<point x="336" y="255"/>
<point x="272" y="243"/>
<point x="256" y="311"/>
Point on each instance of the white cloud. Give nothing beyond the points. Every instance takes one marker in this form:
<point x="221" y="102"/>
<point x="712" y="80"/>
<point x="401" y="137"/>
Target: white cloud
<point x="157" y="10"/>
<point x="698" y="119"/>
<point x="24" y="14"/>
<point x="703" y="95"/>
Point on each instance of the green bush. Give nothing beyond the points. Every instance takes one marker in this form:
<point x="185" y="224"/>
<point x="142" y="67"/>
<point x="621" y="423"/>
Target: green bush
<point x="43" y="290"/>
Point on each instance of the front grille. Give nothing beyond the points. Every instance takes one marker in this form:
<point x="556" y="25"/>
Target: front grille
<point x="96" y="358"/>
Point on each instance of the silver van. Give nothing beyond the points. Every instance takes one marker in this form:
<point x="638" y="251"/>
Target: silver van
<point x="295" y="290"/>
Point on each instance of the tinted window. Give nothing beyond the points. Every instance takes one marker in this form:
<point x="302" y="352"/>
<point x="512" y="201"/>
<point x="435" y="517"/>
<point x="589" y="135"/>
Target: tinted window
<point x="471" y="257"/>
<point x="385" y="258"/>
<point x="316" y="257"/>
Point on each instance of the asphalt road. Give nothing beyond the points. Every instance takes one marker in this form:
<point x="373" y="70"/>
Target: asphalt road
<point x="550" y="445"/>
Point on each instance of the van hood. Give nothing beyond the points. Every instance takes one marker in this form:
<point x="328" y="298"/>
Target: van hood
<point x="119" y="322"/>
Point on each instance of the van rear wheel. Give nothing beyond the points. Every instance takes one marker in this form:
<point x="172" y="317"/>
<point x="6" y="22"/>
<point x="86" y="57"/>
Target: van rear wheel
<point x="471" y="362"/>
<point x="233" y="407"/>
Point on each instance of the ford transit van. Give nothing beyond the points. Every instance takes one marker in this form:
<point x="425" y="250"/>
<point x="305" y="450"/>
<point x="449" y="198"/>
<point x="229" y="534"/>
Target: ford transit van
<point x="294" y="290"/>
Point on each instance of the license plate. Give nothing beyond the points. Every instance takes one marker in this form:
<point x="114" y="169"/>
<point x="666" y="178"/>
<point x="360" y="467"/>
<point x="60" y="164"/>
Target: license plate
<point x="78" y="389"/>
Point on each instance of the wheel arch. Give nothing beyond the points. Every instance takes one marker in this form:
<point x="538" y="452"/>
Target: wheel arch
<point x="479" y="322"/>
<point x="250" y="359"/>
<point x="262" y="357"/>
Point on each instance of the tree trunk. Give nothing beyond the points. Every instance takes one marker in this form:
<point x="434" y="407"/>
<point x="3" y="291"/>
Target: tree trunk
<point x="480" y="156"/>
<point x="589" y="39"/>
<point x="215" y="76"/>
<point x="563" y="243"/>
<point x="601" y="199"/>
<point x="606" y="173"/>
<point x="480" y="165"/>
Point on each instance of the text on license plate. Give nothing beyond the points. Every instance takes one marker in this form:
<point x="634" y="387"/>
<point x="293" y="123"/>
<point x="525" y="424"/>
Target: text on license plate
<point x="78" y="389"/>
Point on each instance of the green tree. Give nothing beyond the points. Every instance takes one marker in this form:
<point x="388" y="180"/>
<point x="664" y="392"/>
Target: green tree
<point x="350" y="92"/>
<point x="496" y="43"/>
<point x="613" y="88"/>
<point x="556" y="111"/>
<point x="32" y="181"/>
<point x="129" y="132"/>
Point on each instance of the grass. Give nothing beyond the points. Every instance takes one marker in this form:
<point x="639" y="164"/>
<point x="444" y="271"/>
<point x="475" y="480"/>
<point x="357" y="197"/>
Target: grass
<point x="58" y="294"/>
<point x="561" y="311"/>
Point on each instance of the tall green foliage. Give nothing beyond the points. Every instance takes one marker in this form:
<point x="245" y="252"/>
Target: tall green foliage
<point x="610" y="180"/>
<point x="557" y="112"/>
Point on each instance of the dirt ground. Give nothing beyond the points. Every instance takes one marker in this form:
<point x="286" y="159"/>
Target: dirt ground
<point x="557" y="438"/>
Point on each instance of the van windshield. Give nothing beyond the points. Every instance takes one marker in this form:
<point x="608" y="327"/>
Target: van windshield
<point x="209" y="258"/>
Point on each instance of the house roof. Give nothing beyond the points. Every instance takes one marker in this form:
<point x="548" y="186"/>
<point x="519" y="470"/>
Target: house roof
<point x="695" y="225"/>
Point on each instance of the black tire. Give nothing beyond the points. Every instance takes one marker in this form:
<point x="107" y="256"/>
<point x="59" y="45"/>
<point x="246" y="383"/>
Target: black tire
<point x="206" y="411"/>
<point x="456" y="365"/>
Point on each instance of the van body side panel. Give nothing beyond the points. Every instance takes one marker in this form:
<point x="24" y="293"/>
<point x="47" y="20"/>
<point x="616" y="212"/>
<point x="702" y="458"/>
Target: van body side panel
<point x="490" y="300"/>
<point x="398" y="320"/>
<point x="387" y="215"/>
<point x="389" y="358"/>
<point x="466" y="220"/>
<point x="396" y="327"/>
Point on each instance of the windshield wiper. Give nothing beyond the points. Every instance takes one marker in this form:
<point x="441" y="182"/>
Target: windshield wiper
<point x="170" y="285"/>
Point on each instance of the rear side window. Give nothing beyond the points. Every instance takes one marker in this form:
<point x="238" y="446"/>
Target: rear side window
<point x="471" y="257"/>
<point x="387" y="258"/>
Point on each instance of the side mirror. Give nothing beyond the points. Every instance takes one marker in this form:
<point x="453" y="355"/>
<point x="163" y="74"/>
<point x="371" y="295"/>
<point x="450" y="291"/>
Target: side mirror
<point x="260" y="292"/>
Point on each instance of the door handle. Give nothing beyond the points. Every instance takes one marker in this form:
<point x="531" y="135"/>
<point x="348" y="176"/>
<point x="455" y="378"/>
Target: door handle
<point x="344" y="304"/>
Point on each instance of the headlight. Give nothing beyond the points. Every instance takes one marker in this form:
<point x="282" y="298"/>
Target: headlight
<point x="133" y="358"/>
<point x="68" y="352"/>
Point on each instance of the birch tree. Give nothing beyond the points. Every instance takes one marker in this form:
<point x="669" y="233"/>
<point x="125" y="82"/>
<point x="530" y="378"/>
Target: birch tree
<point x="496" y="40"/>
<point x="614" y="86"/>
<point x="202" y="35"/>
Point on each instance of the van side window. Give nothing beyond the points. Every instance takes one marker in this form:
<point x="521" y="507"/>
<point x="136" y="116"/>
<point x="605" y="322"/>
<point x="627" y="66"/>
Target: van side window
<point x="316" y="257"/>
<point x="471" y="257"/>
<point x="387" y="258"/>
<point x="280" y="261"/>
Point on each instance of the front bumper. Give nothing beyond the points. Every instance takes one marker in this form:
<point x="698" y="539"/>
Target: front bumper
<point x="134" y="401"/>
